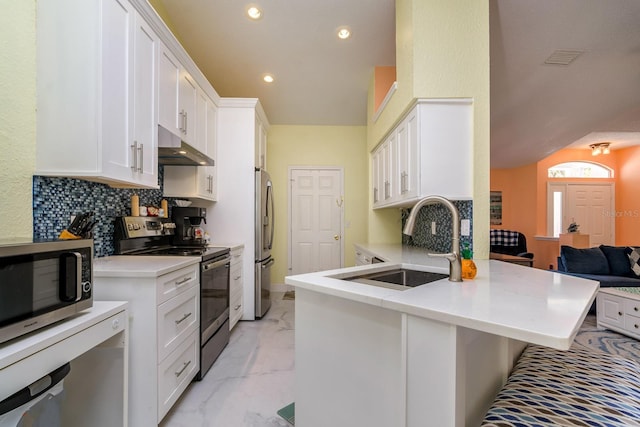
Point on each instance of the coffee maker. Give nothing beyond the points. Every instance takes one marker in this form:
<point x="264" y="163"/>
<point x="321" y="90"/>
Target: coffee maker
<point x="188" y="231"/>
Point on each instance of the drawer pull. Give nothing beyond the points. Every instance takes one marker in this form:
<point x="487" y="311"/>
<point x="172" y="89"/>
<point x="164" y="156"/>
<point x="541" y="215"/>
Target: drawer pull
<point x="183" y="281"/>
<point x="184" y="366"/>
<point x="183" y="318"/>
<point x="237" y="278"/>
<point x="237" y="307"/>
<point x="635" y="308"/>
<point x="619" y="313"/>
<point x="635" y="326"/>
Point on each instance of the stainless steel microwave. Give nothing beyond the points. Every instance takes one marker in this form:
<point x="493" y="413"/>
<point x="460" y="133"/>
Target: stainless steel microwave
<point x="42" y="283"/>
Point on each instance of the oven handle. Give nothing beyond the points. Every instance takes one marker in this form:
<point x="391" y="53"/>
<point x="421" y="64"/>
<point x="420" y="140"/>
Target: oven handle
<point x="216" y="264"/>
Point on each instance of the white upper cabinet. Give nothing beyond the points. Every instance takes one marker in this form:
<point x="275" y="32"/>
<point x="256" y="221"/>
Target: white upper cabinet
<point x="187" y="95"/>
<point x="429" y="152"/>
<point x="179" y="98"/>
<point x="168" y="80"/>
<point x="96" y="89"/>
<point x="261" y="144"/>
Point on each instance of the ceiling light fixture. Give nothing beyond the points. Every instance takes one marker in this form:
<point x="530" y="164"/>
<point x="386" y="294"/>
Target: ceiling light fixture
<point x="254" y="12"/>
<point x="344" y="33"/>
<point x="268" y="78"/>
<point x="600" y="148"/>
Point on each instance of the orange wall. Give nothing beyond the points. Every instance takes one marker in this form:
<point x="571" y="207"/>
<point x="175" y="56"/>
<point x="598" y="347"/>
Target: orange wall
<point x="383" y="79"/>
<point x="524" y="198"/>
<point x="627" y="198"/>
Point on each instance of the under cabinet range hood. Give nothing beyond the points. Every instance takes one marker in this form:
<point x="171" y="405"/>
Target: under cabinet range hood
<point x="173" y="151"/>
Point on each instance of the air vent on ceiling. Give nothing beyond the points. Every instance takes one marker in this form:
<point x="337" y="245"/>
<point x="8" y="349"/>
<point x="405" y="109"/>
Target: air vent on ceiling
<point x="563" y="57"/>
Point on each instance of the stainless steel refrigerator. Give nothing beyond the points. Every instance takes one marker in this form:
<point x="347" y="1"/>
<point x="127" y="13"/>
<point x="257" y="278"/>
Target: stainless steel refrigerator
<point x="264" y="228"/>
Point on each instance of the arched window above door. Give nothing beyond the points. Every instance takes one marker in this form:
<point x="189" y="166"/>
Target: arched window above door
<point x="579" y="170"/>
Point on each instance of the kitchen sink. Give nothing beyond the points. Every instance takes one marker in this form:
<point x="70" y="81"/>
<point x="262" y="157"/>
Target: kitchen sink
<point x="398" y="278"/>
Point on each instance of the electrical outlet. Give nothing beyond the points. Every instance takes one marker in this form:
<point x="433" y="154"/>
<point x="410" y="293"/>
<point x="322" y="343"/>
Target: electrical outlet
<point x="433" y="227"/>
<point x="465" y="227"/>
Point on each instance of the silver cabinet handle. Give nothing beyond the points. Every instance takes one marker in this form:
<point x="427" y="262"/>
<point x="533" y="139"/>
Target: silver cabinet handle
<point x="140" y="157"/>
<point x="183" y="121"/>
<point x="386" y="190"/>
<point x="237" y="307"/>
<point x="178" y="321"/>
<point x="134" y="152"/>
<point x="186" y="122"/>
<point x="183" y="281"/>
<point x="237" y="278"/>
<point x="375" y="195"/>
<point x="184" y="366"/>
<point x="403" y="182"/>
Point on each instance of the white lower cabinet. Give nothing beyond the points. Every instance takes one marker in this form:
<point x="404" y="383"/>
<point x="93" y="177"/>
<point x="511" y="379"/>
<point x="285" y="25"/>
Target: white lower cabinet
<point x="235" y="287"/>
<point x="164" y="329"/>
<point x="619" y="311"/>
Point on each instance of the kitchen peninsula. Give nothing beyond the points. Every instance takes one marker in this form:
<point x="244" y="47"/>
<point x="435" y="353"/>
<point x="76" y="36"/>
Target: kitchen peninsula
<point x="433" y="355"/>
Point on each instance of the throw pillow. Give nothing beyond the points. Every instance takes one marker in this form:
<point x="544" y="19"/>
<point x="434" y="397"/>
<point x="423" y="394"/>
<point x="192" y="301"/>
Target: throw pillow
<point x="634" y="259"/>
<point x="618" y="260"/>
<point x="586" y="261"/>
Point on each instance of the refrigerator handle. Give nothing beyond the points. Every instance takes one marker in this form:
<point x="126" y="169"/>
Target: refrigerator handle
<point x="269" y="263"/>
<point x="271" y="214"/>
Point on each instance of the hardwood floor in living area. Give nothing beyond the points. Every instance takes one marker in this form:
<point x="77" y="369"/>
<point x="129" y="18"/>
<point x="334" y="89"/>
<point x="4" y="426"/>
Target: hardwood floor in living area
<point x="250" y="381"/>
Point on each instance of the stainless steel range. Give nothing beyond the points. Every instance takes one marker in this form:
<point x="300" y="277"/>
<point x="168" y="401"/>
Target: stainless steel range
<point x="157" y="236"/>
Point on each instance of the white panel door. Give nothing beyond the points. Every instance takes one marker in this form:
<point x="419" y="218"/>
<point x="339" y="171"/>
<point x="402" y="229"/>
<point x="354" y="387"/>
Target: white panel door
<point x="591" y="207"/>
<point x="315" y="220"/>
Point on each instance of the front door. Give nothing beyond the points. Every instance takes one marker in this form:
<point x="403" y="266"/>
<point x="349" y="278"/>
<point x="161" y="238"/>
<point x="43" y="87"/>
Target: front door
<point x="591" y="207"/>
<point x="315" y="220"/>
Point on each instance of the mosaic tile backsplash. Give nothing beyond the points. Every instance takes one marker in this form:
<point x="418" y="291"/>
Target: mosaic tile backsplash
<point x="56" y="199"/>
<point x="441" y="241"/>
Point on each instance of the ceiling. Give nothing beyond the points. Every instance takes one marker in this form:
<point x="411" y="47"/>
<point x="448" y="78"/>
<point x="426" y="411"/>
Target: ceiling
<point x="536" y="108"/>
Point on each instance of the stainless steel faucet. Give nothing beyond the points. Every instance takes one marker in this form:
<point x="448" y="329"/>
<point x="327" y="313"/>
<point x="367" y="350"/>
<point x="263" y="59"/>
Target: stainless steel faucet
<point x="455" y="265"/>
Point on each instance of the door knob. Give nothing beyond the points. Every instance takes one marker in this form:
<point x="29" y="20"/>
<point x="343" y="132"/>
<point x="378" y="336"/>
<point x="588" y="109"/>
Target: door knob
<point x="336" y="237"/>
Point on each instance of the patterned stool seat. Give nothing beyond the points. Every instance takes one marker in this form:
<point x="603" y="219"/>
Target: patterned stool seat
<point x="577" y="387"/>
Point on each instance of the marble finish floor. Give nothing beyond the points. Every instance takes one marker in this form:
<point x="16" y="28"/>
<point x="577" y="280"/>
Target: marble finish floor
<point x="250" y="381"/>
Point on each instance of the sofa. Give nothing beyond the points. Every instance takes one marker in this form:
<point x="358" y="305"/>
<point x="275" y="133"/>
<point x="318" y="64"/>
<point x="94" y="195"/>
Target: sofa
<point x="612" y="266"/>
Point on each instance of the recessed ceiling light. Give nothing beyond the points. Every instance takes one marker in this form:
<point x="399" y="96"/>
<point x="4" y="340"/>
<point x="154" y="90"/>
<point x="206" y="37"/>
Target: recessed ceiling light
<point x="268" y="78"/>
<point x="344" y="33"/>
<point x="254" y="12"/>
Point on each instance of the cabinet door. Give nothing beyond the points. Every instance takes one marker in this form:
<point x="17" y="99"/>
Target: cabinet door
<point x="408" y="157"/>
<point x="610" y="310"/>
<point x="201" y="123"/>
<point x="168" y="78"/>
<point x="187" y="94"/>
<point x="212" y="129"/>
<point x="206" y="182"/>
<point x="261" y="145"/>
<point x="390" y="169"/>
<point x="117" y="88"/>
<point x="378" y="176"/>
<point x="145" y="130"/>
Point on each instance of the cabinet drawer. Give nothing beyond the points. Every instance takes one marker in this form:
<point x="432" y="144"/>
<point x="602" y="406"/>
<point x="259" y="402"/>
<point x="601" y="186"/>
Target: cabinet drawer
<point x="177" y="318"/>
<point x="235" y="311"/>
<point x="632" y="307"/>
<point x="176" y="372"/>
<point x="632" y="325"/>
<point x="235" y="282"/>
<point x="172" y="284"/>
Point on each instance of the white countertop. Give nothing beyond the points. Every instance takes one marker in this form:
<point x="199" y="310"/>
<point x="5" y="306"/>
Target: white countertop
<point x="232" y="246"/>
<point x="510" y="300"/>
<point x="140" y="265"/>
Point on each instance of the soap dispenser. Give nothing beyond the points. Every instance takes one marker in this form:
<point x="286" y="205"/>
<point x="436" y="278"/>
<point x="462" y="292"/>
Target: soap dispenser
<point x="469" y="269"/>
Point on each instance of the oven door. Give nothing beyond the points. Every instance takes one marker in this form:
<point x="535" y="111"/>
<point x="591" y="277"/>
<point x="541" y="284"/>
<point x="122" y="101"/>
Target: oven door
<point x="214" y="296"/>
